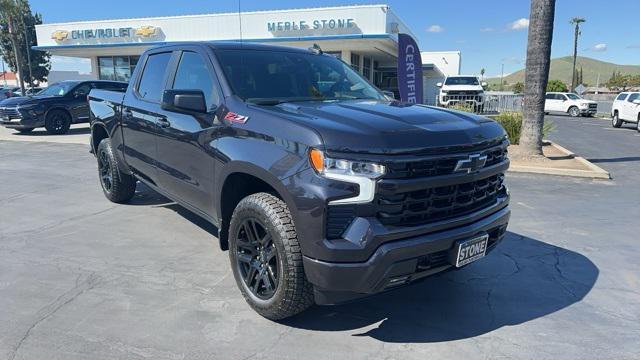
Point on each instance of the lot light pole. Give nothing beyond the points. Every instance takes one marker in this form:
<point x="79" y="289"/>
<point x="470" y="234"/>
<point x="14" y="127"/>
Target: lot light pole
<point x="575" y="21"/>
<point x="12" y="35"/>
<point x="26" y="43"/>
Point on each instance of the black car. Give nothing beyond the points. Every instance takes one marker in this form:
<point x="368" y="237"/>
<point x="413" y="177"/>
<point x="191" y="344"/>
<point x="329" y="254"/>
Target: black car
<point x="321" y="188"/>
<point x="55" y="108"/>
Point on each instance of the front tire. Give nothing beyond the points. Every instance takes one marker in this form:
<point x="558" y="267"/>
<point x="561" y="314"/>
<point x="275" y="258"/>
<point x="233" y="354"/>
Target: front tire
<point x="266" y="258"/>
<point x="574" y="111"/>
<point x="638" y="123"/>
<point x="615" y="120"/>
<point x="57" y="122"/>
<point x="25" y="130"/>
<point x="116" y="185"/>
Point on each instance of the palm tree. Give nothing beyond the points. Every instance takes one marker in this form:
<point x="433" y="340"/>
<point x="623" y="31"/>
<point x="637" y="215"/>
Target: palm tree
<point x="536" y="74"/>
<point x="482" y="74"/>
<point x="576" y="21"/>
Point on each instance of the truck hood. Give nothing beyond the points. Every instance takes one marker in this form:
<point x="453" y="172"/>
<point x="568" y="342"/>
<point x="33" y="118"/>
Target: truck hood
<point x="23" y="100"/>
<point x="378" y="127"/>
<point x="462" y="88"/>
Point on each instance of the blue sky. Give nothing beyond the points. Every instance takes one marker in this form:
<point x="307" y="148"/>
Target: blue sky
<point x="488" y="32"/>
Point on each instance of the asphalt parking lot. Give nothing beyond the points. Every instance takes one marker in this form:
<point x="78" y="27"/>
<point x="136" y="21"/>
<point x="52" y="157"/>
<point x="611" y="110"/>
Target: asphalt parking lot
<point x="82" y="278"/>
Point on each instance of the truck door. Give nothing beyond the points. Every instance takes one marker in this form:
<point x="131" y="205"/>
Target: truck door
<point x="141" y="113"/>
<point x="185" y="164"/>
<point x="630" y="110"/>
<point x="79" y="106"/>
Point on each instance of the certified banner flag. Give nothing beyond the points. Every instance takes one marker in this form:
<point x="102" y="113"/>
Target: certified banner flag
<point x="409" y="70"/>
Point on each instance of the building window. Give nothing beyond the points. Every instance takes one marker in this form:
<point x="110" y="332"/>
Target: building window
<point x="355" y="62"/>
<point x="118" y="68"/>
<point x="366" y="68"/>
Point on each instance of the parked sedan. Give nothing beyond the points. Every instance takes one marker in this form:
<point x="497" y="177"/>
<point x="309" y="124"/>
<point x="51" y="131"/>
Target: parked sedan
<point x="7" y="92"/>
<point x="569" y="103"/>
<point x="55" y="108"/>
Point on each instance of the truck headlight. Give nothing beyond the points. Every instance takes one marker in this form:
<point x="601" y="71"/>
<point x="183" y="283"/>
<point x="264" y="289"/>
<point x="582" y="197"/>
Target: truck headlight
<point x="584" y="104"/>
<point x="364" y="174"/>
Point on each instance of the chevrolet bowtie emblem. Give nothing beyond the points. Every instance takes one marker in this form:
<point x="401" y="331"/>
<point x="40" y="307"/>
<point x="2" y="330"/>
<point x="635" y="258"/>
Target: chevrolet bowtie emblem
<point x="60" y="35"/>
<point x="146" y="31"/>
<point x="473" y="163"/>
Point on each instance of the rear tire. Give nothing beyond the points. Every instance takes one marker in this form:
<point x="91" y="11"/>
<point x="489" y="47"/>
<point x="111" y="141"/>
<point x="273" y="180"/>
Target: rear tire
<point x="615" y="120"/>
<point x="57" y="122"/>
<point x="116" y="185"/>
<point x="266" y="258"/>
<point x="638" y="123"/>
<point x="574" y="111"/>
<point x="25" y="131"/>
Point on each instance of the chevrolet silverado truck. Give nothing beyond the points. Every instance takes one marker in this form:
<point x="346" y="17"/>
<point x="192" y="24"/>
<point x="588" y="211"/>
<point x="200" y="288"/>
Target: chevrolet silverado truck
<point x="462" y="90"/>
<point x="322" y="189"/>
<point x="55" y="108"/>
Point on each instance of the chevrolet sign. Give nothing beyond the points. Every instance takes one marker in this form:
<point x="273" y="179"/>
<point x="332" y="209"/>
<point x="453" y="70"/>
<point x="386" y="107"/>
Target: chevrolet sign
<point x="108" y="33"/>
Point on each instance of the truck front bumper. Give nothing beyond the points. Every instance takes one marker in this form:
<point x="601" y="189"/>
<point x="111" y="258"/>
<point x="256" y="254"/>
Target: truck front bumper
<point x="399" y="262"/>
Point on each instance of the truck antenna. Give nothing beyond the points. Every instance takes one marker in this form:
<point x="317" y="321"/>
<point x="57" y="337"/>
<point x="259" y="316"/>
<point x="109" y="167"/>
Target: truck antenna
<point x="316" y="49"/>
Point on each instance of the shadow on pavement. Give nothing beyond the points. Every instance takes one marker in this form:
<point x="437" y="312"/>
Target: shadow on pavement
<point x="522" y="280"/>
<point x="616" y="160"/>
<point x="43" y="132"/>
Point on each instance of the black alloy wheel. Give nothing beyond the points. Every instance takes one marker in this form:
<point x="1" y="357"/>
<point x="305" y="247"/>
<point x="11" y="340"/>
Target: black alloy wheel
<point x="104" y="167"/>
<point x="57" y="122"/>
<point x="257" y="258"/>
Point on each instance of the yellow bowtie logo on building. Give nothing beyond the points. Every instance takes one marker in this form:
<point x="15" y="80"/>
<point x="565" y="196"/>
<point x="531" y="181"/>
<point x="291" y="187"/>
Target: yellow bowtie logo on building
<point x="146" y="31"/>
<point x="60" y="35"/>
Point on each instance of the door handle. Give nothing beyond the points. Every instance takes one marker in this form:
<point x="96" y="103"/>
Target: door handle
<point x="163" y="122"/>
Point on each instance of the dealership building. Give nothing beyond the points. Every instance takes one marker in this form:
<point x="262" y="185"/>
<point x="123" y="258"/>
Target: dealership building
<point x="365" y="36"/>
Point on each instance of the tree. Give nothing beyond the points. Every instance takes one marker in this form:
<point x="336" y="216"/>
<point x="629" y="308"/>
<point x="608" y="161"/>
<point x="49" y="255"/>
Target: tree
<point x="536" y="74"/>
<point x="17" y="15"/>
<point x="576" y="21"/>
<point x="556" y="86"/>
<point x="482" y="74"/>
<point x="518" y="87"/>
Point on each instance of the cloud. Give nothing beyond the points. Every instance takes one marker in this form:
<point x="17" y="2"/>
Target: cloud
<point x="487" y="29"/>
<point x="519" y="24"/>
<point x="435" y="29"/>
<point x="599" y="47"/>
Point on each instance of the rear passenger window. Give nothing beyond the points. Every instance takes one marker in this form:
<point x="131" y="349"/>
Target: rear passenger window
<point x="152" y="81"/>
<point x="193" y="74"/>
<point x="550" y="96"/>
<point x="621" y="97"/>
<point x="560" y="97"/>
<point x="632" y="97"/>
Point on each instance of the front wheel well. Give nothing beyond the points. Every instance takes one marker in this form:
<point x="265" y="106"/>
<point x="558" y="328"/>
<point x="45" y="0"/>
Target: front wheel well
<point x="236" y="187"/>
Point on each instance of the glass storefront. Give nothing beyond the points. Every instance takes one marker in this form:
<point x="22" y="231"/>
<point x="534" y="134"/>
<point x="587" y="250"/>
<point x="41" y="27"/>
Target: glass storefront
<point x="118" y="68"/>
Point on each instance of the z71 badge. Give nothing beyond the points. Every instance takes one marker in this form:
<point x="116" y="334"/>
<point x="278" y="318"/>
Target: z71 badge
<point x="236" y="118"/>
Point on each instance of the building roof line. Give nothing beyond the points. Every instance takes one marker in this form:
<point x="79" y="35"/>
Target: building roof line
<point x="383" y="6"/>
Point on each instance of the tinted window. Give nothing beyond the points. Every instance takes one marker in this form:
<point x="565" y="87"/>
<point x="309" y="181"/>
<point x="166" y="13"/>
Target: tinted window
<point x="462" y="80"/>
<point x="152" y="81"/>
<point x="632" y="97"/>
<point x="270" y="76"/>
<point x="621" y="97"/>
<point x="193" y="74"/>
<point x="550" y="96"/>
<point x="112" y="86"/>
<point x="83" y="89"/>
<point x="573" y="97"/>
<point x="560" y="97"/>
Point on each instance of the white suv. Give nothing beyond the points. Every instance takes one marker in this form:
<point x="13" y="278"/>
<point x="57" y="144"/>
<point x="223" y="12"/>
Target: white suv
<point x="626" y="108"/>
<point x="569" y="103"/>
<point x="462" y="89"/>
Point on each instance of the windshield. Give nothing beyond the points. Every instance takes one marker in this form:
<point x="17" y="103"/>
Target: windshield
<point x="59" y="89"/>
<point x="573" y="97"/>
<point x="271" y="77"/>
<point x="466" y="80"/>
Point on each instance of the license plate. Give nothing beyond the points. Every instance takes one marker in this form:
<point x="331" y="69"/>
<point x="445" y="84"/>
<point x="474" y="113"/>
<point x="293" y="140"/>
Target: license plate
<point x="471" y="250"/>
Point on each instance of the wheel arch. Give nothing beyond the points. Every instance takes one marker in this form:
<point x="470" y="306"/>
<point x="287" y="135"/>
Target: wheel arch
<point x="238" y="181"/>
<point x="60" y="108"/>
<point x="98" y="133"/>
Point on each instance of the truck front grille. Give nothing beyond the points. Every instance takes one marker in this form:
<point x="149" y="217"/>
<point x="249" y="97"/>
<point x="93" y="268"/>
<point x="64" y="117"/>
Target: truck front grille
<point x="438" y="166"/>
<point x="438" y="203"/>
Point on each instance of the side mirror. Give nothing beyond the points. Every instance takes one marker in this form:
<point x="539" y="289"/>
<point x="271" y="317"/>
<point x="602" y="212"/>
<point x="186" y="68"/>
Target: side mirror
<point x="636" y="101"/>
<point x="389" y="94"/>
<point x="186" y="101"/>
<point x="439" y="84"/>
<point x="483" y="84"/>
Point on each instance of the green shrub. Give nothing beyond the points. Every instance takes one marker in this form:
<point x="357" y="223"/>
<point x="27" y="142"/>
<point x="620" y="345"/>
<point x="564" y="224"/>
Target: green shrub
<point x="462" y="107"/>
<point x="511" y="121"/>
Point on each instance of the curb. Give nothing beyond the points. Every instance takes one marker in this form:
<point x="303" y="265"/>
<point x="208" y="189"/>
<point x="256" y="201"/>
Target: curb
<point x="594" y="172"/>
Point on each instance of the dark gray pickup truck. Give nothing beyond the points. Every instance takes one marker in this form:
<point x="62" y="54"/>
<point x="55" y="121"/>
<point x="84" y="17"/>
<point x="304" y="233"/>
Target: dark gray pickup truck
<point x="323" y="190"/>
